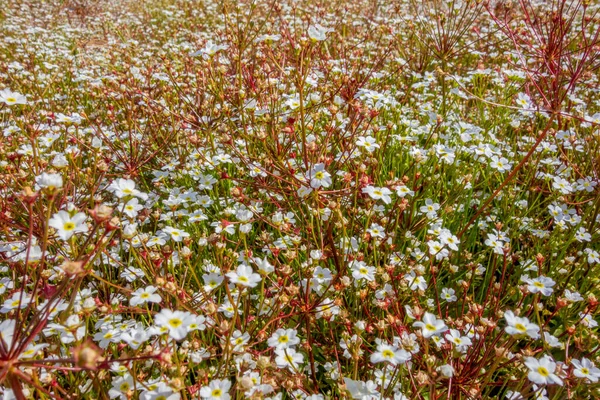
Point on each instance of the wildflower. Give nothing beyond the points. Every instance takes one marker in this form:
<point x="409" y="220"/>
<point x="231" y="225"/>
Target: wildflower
<point x="415" y="281"/>
<point x="217" y="389"/>
<point x="376" y="230"/>
<point x="542" y="371"/>
<point x="66" y="226"/>
<point x="461" y="342"/>
<point x="520" y="326"/>
<point x="176" y="322"/>
<point x="430" y="325"/>
<point x="144" y="295"/>
<point x="18" y="300"/>
<point x="318" y="32"/>
<point x="377" y="193"/>
<point x="430" y="208"/>
<point x="263" y="265"/>
<point x="50" y="182"/>
<point x="562" y="185"/>
<point x="283" y="339"/>
<point x="239" y="340"/>
<point x="362" y="390"/>
<point x="132" y="207"/>
<point x="500" y="163"/>
<point x="288" y="358"/>
<point x="368" y="143"/>
<point x="125" y="187"/>
<point x="448" y="295"/>
<point x="319" y="177"/>
<point x="121" y="386"/>
<point x="360" y="270"/>
<point x="244" y="276"/>
<point x="587" y="320"/>
<point x="391" y="354"/>
<point x="11" y="98"/>
<point x="541" y="284"/>
<point x="176" y="234"/>
<point x="586" y="369"/>
<point x="403" y="191"/>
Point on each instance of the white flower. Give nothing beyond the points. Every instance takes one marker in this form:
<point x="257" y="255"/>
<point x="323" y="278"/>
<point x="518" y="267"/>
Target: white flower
<point x="369" y="143"/>
<point x="360" y="270"/>
<point x="217" y="389"/>
<point x="415" y="281"/>
<point x="66" y="226"/>
<point x="430" y="325"/>
<point x="402" y="191"/>
<point x="376" y="230"/>
<point x="586" y="369"/>
<point x="461" y="342"/>
<point x="520" y="326"/>
<point x="587" y="320"/>
<point x="391" y="354"/>
<point x="18" y="300"/>
<point x="244" y="275"/>
<point x="283" y="339"/>
<point x="318" y="33"/>
<point x="132" y="207"/>
<point x="362" y="390"/>
<point x="541" y="371"/>
<point x="11" y="98"/>
<point x="176" y="322"/>
<point x="47" y="181"/>
<point x="448" y="295"/>
<point x="263" y="265"/>
<point x="288" y="358"/>
<point x="319" y="177"/>
<point x="125" y="187"/>
<point x="121" y="385"/>
<point x="176" y="234"/>
<point x="541" y="284"/>
<point x="377" y="193"/>
<point x="144" y="295"/>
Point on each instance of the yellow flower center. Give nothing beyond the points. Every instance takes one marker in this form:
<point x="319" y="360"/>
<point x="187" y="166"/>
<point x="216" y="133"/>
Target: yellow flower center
<point x="175" y="322"/>
<point x="68" y="226"/>
<point x="543" y="372"/>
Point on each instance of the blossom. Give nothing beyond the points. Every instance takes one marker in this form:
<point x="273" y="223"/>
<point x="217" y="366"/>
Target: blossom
<point x="376" y="230"/>
<point x="319" y="177"/>
<point x="288" y="358"/>
<point x="389" y="353"/>
<point x="125" y="187"/>
<point x="132" y="207"/>
<point x="283" y="339"/>
<point x="461" y="342"/>
<point x="541" y="371"/>
<point x="541" y="284"/>
<point x="377" y="193"/>
<point x="49" y="182"/>
<point x="176" y="234"/>
<point x="121" y="386"/>
<point x="586" y="369"/>
<point x="244" y="275"/>
<point x="144" y="295"/>
<point x="217" y="389"/>
<point x="176" y="322"/>
<point x="318" y="32"/>
<point x="369" y="143"/>
<point x="11" y="98"/>
<point x="67" y="225"/>
<point x="448" y="295"/>
<point x="520" y="326"/>
<point x="430" y="325"/>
